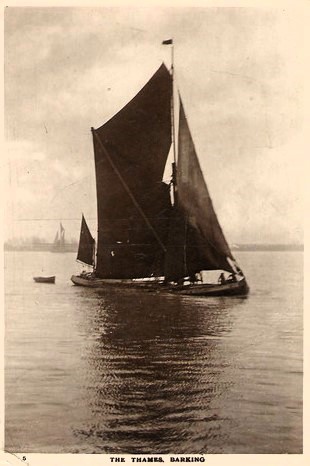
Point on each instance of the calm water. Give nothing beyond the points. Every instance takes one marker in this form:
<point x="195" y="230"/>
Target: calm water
<point x="89" y="371"/>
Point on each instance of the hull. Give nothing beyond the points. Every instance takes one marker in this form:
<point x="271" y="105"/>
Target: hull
<point x="91" y="282"/>
<point x="239" y="288"/>
<point x="44" y="279"/>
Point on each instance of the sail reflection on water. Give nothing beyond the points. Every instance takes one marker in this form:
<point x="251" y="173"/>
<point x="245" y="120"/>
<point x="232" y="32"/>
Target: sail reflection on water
<point x="154" y="365"/>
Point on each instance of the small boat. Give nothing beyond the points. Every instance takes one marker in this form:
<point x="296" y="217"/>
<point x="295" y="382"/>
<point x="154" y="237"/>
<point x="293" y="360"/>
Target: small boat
<point x="45" y="279"/>
<point x="151" y="234"/>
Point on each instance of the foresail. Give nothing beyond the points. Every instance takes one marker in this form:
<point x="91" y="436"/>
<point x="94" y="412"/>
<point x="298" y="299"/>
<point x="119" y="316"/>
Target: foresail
<point x="133" y="203"/>
<point x="205" y="247"/>
<point x="86" y="245"/>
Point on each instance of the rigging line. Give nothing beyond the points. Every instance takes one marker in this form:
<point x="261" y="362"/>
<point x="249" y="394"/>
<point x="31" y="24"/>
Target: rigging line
<point x="68" y="186"/>
<point x="173" y="137"/>
<point x="172" y="105"/>
<point x="50" y="219"/>
<point x="79" y="219"/>
<point x="146" y="191"/>
<point x="128" y="190"/>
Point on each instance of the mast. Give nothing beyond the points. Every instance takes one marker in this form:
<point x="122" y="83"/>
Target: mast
<point x="174" y="165"/>
<point x="173" y="138"/>
<point x="172" y="104"/>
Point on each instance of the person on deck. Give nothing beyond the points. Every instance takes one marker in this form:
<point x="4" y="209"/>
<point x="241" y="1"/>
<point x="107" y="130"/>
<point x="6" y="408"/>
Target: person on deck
<point x="222" y="279"/>
<point x="232" y="277"/>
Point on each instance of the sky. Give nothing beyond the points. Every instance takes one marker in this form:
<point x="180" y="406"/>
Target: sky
<point x="240" y="72"/>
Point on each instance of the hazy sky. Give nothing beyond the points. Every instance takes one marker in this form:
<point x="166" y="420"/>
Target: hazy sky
<point x="240" y="73"/>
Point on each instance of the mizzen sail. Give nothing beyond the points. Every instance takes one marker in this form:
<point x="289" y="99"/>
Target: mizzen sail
<point x="86" y="245"/>
<point x="133" y="203"/>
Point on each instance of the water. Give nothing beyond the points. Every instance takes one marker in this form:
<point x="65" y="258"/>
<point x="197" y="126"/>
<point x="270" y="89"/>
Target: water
<point x="92" y="371"/>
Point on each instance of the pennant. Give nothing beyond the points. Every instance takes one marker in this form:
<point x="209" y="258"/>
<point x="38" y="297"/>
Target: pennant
<point x="167" y="42"/>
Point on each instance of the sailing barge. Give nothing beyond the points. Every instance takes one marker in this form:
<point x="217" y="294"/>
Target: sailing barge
<point x="60" y="244"/>
<point x="153" y="235"/>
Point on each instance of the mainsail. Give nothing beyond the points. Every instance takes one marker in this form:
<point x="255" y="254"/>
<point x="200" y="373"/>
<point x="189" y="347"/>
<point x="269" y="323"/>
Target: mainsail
<point x="133" y="203"/>
<point x="86" y="244"/>
<point x="196" y="241"/>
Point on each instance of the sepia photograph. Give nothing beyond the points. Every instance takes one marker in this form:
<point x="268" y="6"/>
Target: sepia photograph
<point x="153" y="231"/>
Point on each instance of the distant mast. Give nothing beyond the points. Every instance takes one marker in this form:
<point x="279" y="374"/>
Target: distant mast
<point x="59" y="241"/>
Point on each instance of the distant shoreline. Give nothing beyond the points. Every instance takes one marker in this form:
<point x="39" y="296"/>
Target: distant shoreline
<point x="240" y="247"/>
<point x="268" y="247"/>
<point x="47" y="247"/>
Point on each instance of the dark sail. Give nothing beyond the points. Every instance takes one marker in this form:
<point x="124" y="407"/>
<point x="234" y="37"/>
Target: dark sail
<point x="175" y="258"/>
<point x="197" y="226"/>
<point x="133" y="203"/>
<point x="86" y="245"/>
